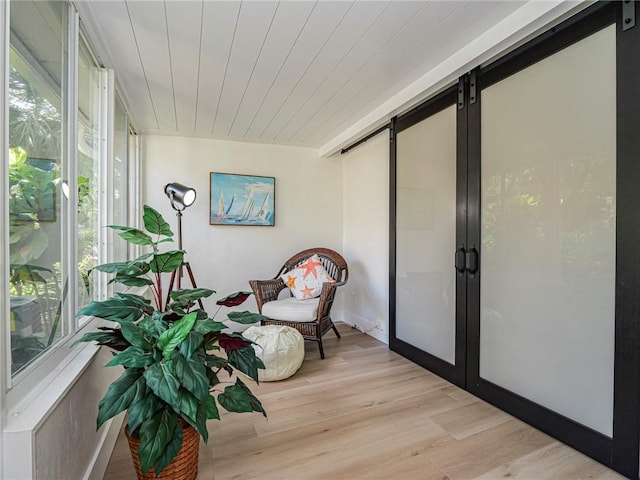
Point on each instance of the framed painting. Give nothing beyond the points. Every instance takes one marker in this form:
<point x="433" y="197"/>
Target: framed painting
<point x="242" y="199"/>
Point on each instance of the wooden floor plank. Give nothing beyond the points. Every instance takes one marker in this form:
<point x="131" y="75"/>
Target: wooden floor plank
<point x="367" y="413"/>
<point x="549" y="463"/>
<point x="487" y="450"/>
<point x="471" y="418"/>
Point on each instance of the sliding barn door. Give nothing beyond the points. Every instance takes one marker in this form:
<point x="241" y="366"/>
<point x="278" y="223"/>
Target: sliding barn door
<point x="514" y="247"/>
<point x="548" y="231"/>
<point x="427" y="179"/>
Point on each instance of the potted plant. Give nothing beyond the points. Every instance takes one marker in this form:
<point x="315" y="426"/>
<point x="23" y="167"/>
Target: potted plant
<point x="173" y="357"/>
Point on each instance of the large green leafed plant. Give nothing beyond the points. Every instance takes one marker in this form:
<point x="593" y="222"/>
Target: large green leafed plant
<point x="173" y="354"/>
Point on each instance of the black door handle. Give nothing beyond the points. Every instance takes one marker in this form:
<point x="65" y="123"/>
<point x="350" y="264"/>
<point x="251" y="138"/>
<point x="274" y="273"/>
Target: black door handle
<point x="472" y="260"/>
<point x="460" y="260"/>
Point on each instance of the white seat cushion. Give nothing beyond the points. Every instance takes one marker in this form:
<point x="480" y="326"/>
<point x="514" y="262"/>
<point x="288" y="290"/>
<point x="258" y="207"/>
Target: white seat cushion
<point x="291" y="309"/>
<point x="280" y="348"/>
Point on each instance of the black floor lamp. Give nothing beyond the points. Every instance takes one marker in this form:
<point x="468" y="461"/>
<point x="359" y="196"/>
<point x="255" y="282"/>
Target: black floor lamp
<point x="181" y="197"/>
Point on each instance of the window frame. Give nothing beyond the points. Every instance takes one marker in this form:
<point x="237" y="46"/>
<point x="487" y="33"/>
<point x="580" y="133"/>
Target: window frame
<point x="4" y="208"/>
<point x="103" y="152"/>
<point x="16" y="387"/>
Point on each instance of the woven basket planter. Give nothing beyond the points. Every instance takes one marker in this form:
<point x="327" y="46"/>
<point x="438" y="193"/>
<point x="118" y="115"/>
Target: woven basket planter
<point x="183" y="467"/>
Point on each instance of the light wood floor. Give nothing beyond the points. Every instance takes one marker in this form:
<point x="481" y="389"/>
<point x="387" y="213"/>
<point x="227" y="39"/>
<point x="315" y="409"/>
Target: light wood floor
<point x="367" y="413"/>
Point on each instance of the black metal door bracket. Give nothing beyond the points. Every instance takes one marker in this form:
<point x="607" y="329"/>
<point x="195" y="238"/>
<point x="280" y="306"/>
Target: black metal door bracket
<point x="461" y="93"/>
<point x="472" y="87"/>
<point x="628" y="14"/>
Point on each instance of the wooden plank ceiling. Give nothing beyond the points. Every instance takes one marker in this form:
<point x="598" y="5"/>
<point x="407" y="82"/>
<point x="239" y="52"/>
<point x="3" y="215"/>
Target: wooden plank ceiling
<point x="288" y="72"/>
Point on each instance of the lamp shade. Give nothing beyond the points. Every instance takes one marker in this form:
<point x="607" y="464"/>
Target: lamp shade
<point x="180" y="195"/>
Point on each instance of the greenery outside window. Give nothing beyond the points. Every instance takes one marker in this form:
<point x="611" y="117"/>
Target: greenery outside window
<point x="36" y="230"/>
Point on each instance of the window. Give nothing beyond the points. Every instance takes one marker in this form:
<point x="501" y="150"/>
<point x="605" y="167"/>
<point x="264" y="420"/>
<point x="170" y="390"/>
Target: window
<point x="88" y="173"/>
<point x="36" y="164"/>
<point x="120" y="191"/>
<point x="64" y="184"/>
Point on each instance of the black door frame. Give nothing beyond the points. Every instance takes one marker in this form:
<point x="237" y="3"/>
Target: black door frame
<point x="621" y="452"/>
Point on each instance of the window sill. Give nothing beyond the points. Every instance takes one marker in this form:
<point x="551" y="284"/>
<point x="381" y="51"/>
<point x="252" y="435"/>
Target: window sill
<point x="33" y="408"/>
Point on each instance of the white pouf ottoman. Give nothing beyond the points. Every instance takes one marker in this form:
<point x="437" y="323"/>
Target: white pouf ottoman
<point x="280" y="348"/>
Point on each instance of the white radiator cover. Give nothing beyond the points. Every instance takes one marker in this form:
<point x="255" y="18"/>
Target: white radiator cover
<point x="59" y="439"/>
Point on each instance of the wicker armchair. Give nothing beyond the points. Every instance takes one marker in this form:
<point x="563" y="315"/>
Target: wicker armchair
<point x="315" y="325"/>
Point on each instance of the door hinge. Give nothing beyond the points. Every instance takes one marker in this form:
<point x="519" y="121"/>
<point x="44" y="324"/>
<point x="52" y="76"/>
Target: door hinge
<point x="461" y="93"/>
<point x="628" y="14"/>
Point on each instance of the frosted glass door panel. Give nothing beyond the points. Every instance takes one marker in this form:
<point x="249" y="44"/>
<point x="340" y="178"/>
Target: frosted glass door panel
<point x="426" y="235"/>
<point x="548" y="232"/>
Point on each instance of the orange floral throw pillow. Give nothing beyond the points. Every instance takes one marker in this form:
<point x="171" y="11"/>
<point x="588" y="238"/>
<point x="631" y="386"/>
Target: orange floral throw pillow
<point x="306" y="281"/>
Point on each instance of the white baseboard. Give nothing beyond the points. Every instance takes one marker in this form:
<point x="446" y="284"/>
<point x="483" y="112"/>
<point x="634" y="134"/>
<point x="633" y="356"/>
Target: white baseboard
<point x="370" y="329"/>
<point x="379" y="335"/>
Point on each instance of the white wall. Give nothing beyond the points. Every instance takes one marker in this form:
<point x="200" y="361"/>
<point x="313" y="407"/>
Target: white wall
<point x="224" y="258"/>
<point x="366" y="236"/>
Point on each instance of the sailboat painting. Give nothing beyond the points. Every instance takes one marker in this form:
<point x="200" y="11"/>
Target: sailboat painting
<point x="242" y="199"/>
